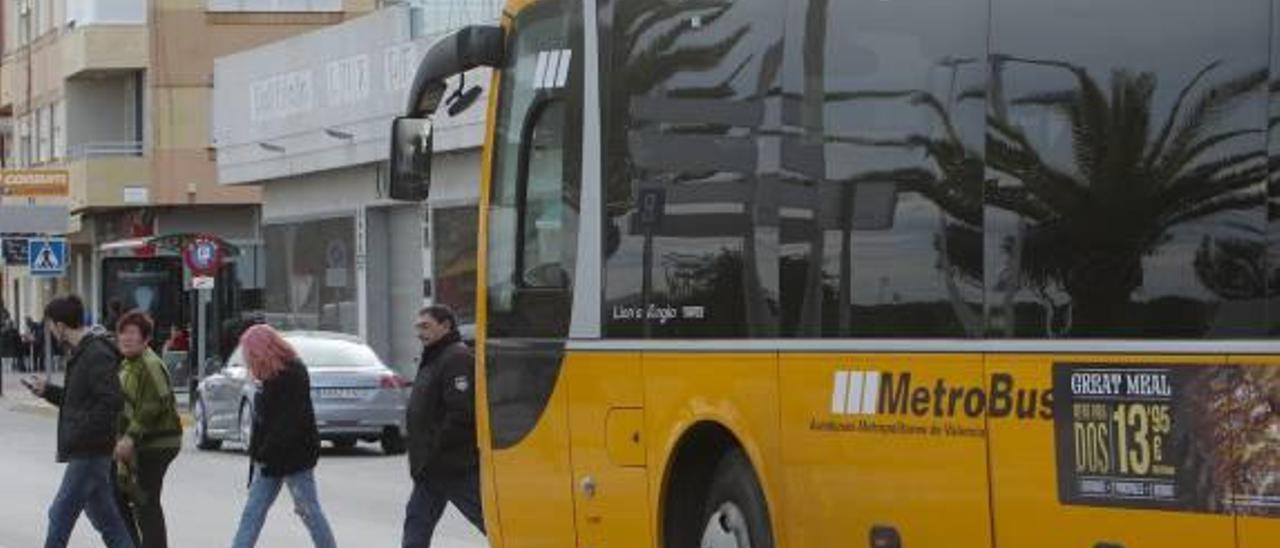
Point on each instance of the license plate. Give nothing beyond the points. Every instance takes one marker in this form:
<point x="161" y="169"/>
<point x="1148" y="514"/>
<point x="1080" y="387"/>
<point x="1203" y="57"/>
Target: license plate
<point x="338" y="393"/>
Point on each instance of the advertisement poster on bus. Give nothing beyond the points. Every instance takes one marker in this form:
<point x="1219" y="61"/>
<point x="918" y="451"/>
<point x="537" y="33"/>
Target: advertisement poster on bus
<point x="1184" y="437"/>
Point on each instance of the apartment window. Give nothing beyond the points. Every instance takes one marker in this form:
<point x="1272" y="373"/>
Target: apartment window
<point x="57" y="14"/>
<point x="442" y="15"/>
<point x="38" y="140"/>
<point x="59" y="135"/>
<point x="44" y="130"/>
<point x="274" y="5"/>
<point x="40" y="14"/>
<point x="24" y="130"/>
<point x="139" y="105"/>
<point x="22" y="8"/>
<point x="97" y="12"/>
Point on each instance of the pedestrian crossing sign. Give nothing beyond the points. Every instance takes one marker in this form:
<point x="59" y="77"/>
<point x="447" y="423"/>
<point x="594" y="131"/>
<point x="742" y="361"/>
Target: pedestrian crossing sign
<point x="47" y="257"/>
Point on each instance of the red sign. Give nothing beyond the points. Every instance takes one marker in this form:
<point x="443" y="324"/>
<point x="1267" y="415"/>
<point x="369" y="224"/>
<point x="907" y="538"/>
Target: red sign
<point x="203" y="256"/>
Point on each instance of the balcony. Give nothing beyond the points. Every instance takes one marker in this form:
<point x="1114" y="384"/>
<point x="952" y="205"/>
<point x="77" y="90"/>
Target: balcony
<point x="104" y="149"/>
<point x="108" y="174"/>
<point x="106" y="35"/>
<point x="83" y="13"/>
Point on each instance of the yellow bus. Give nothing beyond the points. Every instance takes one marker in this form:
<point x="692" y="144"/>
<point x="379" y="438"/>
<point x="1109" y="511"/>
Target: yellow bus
<point x="873" y="273"/>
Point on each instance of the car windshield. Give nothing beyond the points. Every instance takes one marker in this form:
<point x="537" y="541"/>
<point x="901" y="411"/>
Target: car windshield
<point x="322" y="353"/>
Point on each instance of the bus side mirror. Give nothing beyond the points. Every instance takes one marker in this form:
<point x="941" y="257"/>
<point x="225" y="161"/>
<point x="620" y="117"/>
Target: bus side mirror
<point x="411" y="145"/>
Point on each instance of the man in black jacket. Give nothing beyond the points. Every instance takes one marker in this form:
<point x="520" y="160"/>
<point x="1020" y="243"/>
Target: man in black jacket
<point x="443" y="458"/>
<point x="88" y="409"/>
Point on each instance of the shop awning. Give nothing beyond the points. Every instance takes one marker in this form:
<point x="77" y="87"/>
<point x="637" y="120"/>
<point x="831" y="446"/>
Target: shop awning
<point x="172" y="242"/>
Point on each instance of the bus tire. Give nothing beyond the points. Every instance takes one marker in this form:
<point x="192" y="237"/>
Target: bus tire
<point x="735" y="514"/>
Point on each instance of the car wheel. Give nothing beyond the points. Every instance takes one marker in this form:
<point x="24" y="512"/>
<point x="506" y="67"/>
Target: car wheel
<point x="392" y="442"/>
<point x="246" y="424"/>
<point x="201" y="430"/>
<point x="734" y="512"/>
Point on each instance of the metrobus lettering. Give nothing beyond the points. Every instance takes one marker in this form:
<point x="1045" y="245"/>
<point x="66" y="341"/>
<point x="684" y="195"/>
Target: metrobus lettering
<point x="897" y="394"/>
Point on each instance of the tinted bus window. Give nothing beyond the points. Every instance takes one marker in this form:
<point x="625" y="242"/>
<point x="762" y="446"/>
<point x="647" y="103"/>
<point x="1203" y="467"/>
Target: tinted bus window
<point x="533" y="205"/>
<point x="688" y="252"/>
<point x="882" y="210"/>
<point x="1272" y="260"/>
<point x="1128" y="161"/>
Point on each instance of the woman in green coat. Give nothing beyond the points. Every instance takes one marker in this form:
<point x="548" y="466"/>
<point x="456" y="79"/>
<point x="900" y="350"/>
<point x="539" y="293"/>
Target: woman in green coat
<point x="150" y="431"/>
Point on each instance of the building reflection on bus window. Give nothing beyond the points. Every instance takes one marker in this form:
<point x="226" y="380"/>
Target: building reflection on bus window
<point x="948" y="171"/>
<point x="882" y="220"/>
<point x="685" y="127"/>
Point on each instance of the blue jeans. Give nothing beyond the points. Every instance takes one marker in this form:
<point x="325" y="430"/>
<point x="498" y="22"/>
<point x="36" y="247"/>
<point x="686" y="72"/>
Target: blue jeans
<point x="86" y="487"/>
<point x="428" y="501"/>
<point x="306" y="503"/>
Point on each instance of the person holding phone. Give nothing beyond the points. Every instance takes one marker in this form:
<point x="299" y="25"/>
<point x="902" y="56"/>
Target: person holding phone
<point x="89" y="407"/>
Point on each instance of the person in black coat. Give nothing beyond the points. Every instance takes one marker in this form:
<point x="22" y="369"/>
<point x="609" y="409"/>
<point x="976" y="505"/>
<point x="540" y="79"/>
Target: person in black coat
<point x="89" y="407"/>
<point x="441" y="422"/>
<point x="284" y="443"/>
<point x="12" y="347"/>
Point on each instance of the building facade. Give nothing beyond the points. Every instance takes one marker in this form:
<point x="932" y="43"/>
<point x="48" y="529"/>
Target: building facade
<point x="117" y="93"/>
<point x="308" y="120"/>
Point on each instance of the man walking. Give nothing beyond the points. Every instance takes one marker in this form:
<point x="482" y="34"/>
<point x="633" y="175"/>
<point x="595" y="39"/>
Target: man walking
<point x="88" y="408"/>
<point x="443" y="458"/>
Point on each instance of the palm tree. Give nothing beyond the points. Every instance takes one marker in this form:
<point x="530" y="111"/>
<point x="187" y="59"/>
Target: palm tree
<point x="1089" y="228"/>
<point x="1233" y="268"/>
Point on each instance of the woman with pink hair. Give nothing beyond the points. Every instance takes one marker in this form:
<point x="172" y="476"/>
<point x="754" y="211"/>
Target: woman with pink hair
<point x="284" y="444"/>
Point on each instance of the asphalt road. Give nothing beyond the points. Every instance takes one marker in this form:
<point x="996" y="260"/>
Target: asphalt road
<point x="363" y="493"/>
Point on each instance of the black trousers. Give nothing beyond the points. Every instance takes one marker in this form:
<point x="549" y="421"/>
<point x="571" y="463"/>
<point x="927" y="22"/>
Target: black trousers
<point x="427" y="503"/>
<point x="145" y="518"/>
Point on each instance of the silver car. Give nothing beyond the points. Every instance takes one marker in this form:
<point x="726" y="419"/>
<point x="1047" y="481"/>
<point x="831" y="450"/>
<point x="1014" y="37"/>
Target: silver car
<point x="356" y="397"/>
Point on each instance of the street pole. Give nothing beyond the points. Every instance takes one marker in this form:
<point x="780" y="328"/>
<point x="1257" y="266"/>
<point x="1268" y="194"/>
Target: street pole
<point x="201" y="303"/>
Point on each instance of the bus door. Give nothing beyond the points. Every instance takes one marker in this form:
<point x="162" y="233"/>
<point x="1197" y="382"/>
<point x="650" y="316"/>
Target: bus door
<point x="1111" y="450"/>
<point x="532" y="226"/>
<point x="606" y="424"/>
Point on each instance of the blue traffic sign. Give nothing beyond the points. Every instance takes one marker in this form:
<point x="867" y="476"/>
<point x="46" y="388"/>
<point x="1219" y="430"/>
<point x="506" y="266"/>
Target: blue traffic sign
<point x="47" y="257"/>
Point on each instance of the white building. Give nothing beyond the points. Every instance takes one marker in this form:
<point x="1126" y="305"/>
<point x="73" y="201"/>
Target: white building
<point x="309" y="119"/>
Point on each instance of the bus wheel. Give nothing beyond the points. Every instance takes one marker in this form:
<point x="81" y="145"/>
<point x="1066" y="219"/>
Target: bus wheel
<point x="734" y="514"/>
